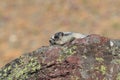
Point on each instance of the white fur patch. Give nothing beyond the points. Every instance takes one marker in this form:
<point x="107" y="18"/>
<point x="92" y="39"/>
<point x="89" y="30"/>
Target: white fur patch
<point x="111" y="43"/>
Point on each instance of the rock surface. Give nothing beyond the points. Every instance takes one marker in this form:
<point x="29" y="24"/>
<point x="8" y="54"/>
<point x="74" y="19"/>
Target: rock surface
<point x="90" y="58"/>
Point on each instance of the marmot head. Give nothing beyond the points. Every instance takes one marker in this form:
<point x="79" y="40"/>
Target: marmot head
<point x="56" y="38"/>
<point x="61" y="38"/>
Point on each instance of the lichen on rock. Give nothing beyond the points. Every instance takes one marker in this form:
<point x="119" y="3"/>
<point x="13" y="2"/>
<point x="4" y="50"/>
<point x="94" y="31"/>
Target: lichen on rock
<point x="89" y="58"/>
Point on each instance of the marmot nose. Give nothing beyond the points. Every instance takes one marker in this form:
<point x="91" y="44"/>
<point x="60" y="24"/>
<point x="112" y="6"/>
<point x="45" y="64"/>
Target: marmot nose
<point x="52" y="41"/>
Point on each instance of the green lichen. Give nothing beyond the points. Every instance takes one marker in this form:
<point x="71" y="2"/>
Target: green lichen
<point x="99" y="59"/>
<point x="97" y="68"/>
<point x="20" y="69"/>
<point x="118" y="76"/>
<point x="67" y="51"/>
<point x="70" y="51"/>
<point x="61" y="58"/>
<point x="116" y="61"/>
<point x="102" y="69"/>
<point x="75" y="78"/>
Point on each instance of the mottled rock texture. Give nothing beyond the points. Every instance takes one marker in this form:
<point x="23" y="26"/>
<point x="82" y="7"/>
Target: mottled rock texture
<point x="90" y="58"/>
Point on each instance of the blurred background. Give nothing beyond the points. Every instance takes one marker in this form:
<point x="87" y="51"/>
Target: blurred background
<point x="26" y="25"/>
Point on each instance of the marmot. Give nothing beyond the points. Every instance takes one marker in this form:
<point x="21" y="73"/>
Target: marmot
<point x="61" y="38"/>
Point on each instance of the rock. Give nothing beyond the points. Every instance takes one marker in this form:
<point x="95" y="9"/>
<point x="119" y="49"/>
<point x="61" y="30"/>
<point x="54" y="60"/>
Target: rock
<point x="90" y="58"/>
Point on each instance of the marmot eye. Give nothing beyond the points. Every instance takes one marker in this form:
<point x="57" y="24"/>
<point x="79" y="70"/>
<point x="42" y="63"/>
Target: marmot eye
<point x="56" y="37"/>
